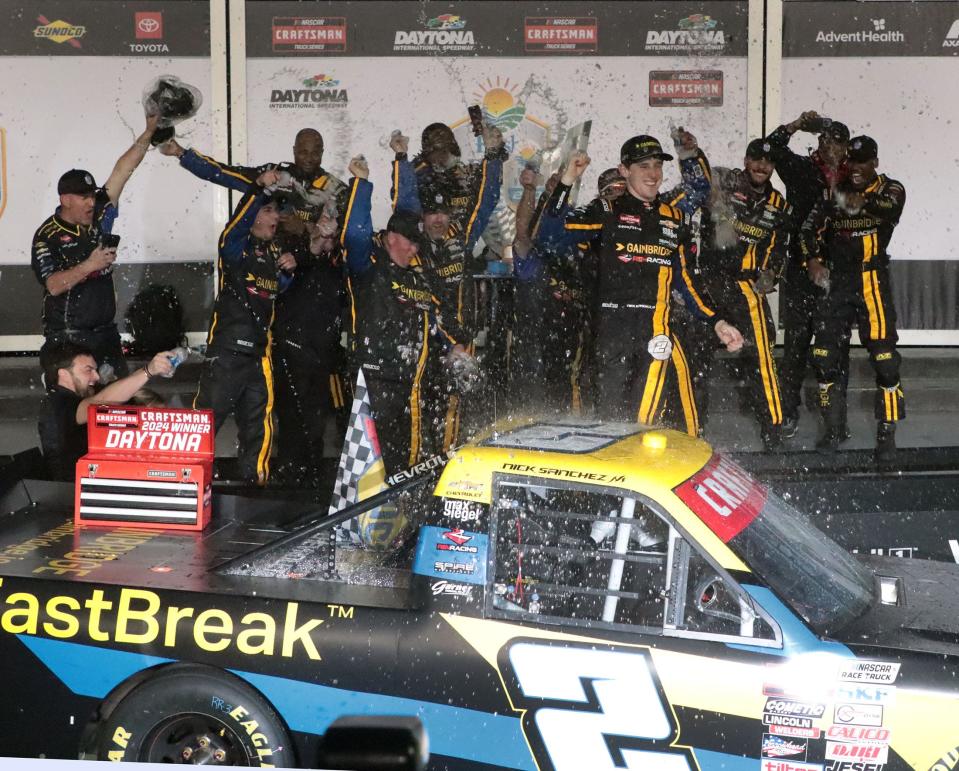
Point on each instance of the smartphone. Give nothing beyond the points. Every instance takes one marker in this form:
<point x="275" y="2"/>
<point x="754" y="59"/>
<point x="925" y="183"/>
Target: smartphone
<point x="110" y="240"/>
<point x="476" y="118"/>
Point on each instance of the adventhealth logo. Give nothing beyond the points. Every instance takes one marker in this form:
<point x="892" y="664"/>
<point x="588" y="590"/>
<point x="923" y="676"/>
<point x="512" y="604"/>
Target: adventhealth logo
<point x="952" y="36"/>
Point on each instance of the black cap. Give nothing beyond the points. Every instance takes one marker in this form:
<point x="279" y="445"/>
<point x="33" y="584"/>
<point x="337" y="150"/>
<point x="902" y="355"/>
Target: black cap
<point x="760" y="148"/>
<point x="434" y="200"/>
<point x="837" y="131"/>
<point x="862" y="148"/>
<point x="407" y="224"/>
<point x="640" y="148"/>
<point x="610" y="177"/>
<point x="77" y="182"/>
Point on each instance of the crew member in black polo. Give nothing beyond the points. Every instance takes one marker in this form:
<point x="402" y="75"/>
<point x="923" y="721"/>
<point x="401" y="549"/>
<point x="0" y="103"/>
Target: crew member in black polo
<point x="74" y="263"/>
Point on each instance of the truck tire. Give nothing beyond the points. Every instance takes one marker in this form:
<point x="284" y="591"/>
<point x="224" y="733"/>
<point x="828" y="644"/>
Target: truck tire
<point x="195" y="714"/>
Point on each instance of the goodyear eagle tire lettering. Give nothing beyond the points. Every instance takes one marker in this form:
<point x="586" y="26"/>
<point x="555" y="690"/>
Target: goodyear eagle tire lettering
<point x="195" y="714"/>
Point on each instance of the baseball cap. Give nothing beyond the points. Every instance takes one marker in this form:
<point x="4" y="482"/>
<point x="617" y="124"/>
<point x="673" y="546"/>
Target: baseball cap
<point x="759" y="148"/>
<point x="641" y="147"/>
<point x="77" y="182"/>
<point x="609" y="178"/>
<point x="837" y="131"/>
<point x="406" y="224"/>
<point x="434" y="200"/>
<point x="862" y="148"/>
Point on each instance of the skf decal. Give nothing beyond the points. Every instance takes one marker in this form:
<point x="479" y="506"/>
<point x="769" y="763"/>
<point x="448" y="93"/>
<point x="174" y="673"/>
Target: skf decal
<point x="592" y="707"/>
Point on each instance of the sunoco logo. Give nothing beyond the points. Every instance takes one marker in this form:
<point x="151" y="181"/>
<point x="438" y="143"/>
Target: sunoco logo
<point x="697" y="33"/>
<point x="312" y="92"/>
<point x="442" y="34"/>
<point x="877" y="33"/>
<point x="952" y="36"/>
<point x="59" y="31"/>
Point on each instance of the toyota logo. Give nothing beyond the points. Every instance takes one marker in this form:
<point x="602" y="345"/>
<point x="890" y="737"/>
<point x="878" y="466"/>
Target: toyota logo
<point x="148" y="25"/>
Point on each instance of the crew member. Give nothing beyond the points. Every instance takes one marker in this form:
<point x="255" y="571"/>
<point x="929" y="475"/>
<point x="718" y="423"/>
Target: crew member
<point x="73" y="260"/>
<point x="808" y="178"/>
<point x="446" y="260"/>
<point x="308" y="357"/>
<point x="237" y="377"/>
<point x="395" y="313"/>
<point x="845" y="240"/>
<point x="70" y="371"/>
<point x="745" y="233"/>
<point x="641" y="239"/>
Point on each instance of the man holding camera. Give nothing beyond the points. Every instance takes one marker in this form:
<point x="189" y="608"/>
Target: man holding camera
<point x="72" y="256"/>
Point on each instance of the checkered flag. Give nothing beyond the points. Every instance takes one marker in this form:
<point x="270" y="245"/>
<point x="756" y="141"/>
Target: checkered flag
<point x="361" y="472"/>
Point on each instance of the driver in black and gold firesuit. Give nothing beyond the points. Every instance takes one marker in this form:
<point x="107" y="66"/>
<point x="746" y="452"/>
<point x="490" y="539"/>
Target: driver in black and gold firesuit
<point x="237" y="376"/>
<point x="745" y="232"/>
<point x="845" y="240"/>
<point x="807" y="179"/>
<point x="308" y="357"/>
<point x="642" y="240"/>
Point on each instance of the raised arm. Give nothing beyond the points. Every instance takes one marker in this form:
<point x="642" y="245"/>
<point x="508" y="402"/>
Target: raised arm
<point x="127" y="163"/>
<point x="356" y="236"/>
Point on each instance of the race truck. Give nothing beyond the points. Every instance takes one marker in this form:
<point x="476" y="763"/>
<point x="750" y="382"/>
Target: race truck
<point x="572" y="595"/>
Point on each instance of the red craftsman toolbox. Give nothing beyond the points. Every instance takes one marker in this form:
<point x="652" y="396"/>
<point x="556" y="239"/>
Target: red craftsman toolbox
<point x="146" y="467"/>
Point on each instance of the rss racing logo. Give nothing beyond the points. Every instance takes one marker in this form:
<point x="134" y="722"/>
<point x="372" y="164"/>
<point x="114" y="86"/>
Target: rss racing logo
<point x="59" y="31"/>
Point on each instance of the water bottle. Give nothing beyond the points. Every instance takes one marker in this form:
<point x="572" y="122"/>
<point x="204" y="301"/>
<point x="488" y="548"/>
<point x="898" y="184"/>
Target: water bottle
<point x="180" y="355"/>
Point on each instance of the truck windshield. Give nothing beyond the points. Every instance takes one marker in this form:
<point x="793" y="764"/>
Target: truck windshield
<point x="819" y="580"/>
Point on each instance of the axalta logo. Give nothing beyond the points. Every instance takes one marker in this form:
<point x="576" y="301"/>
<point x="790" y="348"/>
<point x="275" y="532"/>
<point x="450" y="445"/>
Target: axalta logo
<point x="443" y="33"/>
<point x="314" y="91"/>
<point x="59" y="31"/>
<point x="697" y="33"/>
<point x="952" y="36"/>
<point x="875" y="33"/>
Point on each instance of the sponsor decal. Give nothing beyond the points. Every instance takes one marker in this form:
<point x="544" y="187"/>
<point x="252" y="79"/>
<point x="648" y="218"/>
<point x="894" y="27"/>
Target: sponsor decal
<point x="295" y="90"/>
<point x="695" y="34"/>
<point x="563" y="473"/>
<point x="859" y="734"/>
<point x="789" y="730"/>
<point x="876" y="32"/>
<point x="778" y="747"/>
<point x="560" y="34"/>
<point x="852" y="765"/>
<point x="874" y="672"/>
<point x="866" y="694"/>
<point x="686" y="88"/>
<point x="788" y="765"/>
<point x="789" y="707"/>
<point x="117" y="416"/>
<point x="462" y="511"/>
<point x="952" y="36"/>
<point x="464" y="568"/>
<point x="457" y="536"/>
<point x="660" y="347"/>
<point x="459" y="542"/>
<point x="313" y="35"/>
<point x="858" y="714"/>
<point x="773" y="719"/>
<point x="464" y="489"/>
<point x="163" y="474"/>
<point x="450" y="589"/>
<point x="947" y="762"/>
<point x="59" y="31"/>
<point x="443" y="34"/>
<point x="873" y="753"/>
<point x="724" y="496"/>
<point x="148" y="25"/>
<point x="469" y="567"/>
<point x="178" y="431"/>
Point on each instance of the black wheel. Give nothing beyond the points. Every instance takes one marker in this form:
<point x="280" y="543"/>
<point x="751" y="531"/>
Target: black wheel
<point x="189" y="713"/>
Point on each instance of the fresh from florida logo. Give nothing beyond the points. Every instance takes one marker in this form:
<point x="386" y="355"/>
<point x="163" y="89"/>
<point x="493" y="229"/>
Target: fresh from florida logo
<point x="59" y="31"/>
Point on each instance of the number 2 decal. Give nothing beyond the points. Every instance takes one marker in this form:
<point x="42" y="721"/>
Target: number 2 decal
<point x="593" y="708"/>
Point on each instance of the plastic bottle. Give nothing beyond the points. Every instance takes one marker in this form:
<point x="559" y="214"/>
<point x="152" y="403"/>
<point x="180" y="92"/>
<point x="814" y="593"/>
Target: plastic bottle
<point x="180" y="355"/>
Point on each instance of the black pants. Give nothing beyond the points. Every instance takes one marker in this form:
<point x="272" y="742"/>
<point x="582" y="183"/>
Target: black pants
<point x="640" y="365"/>
<point x="866" y="300"/>
<point x="749" y="313"/>
<point x="241" y="385"/>
<point x="308" y="392"/>
<point x="104" y="342"/>
<point x="397" y="408"/>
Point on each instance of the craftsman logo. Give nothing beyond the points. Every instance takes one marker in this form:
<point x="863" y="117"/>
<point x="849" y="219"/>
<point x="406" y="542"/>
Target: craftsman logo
<point x="148" y="25"/>
<point x="443" y="34"/>
<point x="299" y="34"/>
<point x="952" y="36"/>
<point x="163" y="474"/>
<point x="560" y="34"/>
<point x="696" y="34"/>
<point x="686" y="88"/>
<point x="724" y="496"/>
<point x="858" y="714"/>
<point x="59" y="31"/>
